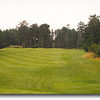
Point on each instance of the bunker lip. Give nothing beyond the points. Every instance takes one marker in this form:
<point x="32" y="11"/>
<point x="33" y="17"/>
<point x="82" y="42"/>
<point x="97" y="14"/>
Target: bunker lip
<point x="90" y="56"/>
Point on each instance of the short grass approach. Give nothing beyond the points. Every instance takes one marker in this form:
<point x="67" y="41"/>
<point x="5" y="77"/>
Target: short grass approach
<point x="48" y="71"/>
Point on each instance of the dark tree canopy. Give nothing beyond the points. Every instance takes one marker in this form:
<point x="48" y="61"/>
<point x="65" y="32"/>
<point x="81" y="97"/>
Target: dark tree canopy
<point x="42" y="37"/>
<point x="92" y="32"/>
<point x="66" y="38"/>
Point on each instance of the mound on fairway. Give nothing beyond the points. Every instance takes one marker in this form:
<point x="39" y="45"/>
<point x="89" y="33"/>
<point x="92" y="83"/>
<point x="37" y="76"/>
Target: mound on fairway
<point x="48" y="71"/>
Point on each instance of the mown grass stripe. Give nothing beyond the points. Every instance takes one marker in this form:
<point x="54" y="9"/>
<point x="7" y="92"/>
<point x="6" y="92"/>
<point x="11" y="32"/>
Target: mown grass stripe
<point x="61" y="71"/>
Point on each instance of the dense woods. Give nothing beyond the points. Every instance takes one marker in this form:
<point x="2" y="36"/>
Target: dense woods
<point x="35" y="36"/>
<point x="66" y="38"/>
<point x="38" y="36"/>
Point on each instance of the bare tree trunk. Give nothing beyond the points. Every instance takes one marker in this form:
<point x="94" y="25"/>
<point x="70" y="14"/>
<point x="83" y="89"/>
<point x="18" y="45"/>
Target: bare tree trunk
<point x="30" y="43"/>
<point x="78" y="41"/>
<point x="35" y="42"/>
<point x="23" y="44"/>
<point x="53" y="45"/>
<point x="67" y="43"/>
<point x="27" y="44"/>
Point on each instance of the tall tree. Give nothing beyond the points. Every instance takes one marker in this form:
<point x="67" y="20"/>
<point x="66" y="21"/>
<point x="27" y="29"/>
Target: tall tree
<point x="80" y="30"/>
<point x="65" y="38"/>
<point x="92" y="32"/>
<point x="45" y="39"/>
<point x="33" y="36"/>
<point x="23" y="31"/>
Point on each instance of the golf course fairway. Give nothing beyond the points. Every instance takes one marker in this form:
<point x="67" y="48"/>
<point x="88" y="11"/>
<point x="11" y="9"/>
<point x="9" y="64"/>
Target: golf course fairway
<point x="48" y="71"/>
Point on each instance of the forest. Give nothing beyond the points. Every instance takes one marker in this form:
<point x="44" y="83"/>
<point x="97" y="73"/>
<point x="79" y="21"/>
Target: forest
<point x="35" y="36"/>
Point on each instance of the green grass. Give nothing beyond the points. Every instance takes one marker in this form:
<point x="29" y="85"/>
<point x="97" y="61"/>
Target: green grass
<point x="48" y="71"/>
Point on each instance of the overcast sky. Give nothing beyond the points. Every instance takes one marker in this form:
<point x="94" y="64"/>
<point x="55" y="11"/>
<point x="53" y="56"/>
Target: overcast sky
<point x="56" y="13"/>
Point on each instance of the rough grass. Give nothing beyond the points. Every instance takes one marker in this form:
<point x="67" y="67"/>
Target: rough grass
<point x="91" y="56"/>
<point x="48" y="71"/>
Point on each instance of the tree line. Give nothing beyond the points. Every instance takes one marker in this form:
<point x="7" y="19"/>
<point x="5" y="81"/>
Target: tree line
<point x="27" y="36"/>
<point x="35" y="36"/>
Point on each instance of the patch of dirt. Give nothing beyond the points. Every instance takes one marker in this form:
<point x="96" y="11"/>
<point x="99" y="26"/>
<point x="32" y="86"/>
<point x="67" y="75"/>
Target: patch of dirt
<point x="91" y="56"/>
<point x="97" y="58"/>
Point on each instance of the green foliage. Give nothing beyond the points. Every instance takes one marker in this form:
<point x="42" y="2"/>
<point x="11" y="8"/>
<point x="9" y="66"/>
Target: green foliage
<point x="91" y="32"/>
<point x="80" y="31"/>
<point x="95" y="48"/>
<point x="15" y="46"/>
<point x="35" y="46"/>
<point x="46" y="40"/>
<point x="27" y="36"/>
<point x="41" y="36"/>
<point x="85" y="47"/>
<point x="98" y="51"/>
<point x="66" y="38"/>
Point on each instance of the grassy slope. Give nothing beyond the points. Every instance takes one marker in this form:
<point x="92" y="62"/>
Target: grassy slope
<point x="48" y="71"/>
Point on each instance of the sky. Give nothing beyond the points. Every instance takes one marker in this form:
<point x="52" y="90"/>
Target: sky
<point x="56" y="13"/>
